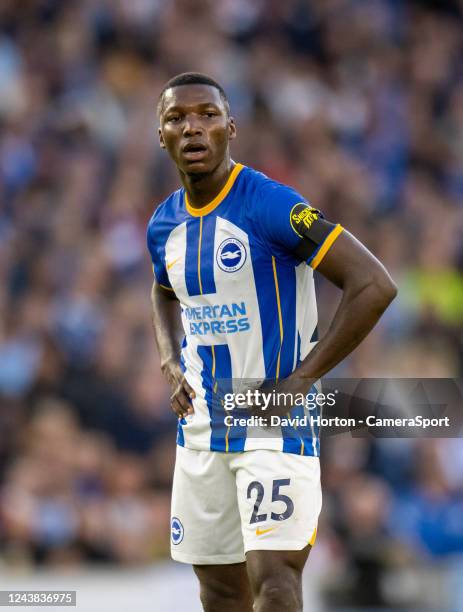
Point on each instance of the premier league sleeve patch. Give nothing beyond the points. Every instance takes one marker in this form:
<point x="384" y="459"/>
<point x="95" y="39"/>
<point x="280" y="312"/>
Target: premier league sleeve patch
<point x="302" y="217"/>
<point x="317" y="234"/>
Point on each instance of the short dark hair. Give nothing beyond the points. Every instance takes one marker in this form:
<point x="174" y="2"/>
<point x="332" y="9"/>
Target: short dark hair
<point x="192" y="78"/>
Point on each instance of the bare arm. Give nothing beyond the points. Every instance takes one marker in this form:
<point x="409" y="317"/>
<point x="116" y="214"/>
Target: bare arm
<point x="168" y="333"/>
<point x="367" y="292"/>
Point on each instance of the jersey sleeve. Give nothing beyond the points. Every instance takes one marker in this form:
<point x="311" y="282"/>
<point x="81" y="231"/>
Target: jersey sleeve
<point x="289" y="224"/>
<point x="156" y="247"/>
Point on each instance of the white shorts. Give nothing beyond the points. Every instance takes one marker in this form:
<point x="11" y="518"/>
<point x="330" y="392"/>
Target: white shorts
<point x="225" y="504"/>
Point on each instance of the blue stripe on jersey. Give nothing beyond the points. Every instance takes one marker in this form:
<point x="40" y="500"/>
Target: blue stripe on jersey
<point x="285" y="294"/>
<point x="268" y="308"/>
<point x="285" y="284"/>
<point x="180" y="434"/>
<point x="205" y="354"/>
<point x="216" y="378"/>
<point x="222" y="437"/>
<point x="298" y="350"/>
<point x="314" y="432"/>
<point x="300" y="440"/>
<point x="199" y="264"/>
<point x="192" y="278"/>
<point x="293" y="438"/>
<point x="207" y="254"/>
<point x="276" y="296"/>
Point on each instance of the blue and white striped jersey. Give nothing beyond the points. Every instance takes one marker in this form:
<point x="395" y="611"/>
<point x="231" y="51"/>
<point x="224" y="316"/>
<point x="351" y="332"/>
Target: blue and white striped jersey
<point x="248" y="302"/>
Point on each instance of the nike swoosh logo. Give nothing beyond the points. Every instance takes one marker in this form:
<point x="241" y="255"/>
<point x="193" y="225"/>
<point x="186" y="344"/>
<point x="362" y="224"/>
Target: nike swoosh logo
<point x="262" y="531"/>
<point x="172" y="263"/>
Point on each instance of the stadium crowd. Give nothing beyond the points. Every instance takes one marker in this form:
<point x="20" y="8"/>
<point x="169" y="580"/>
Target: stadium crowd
<point x="358" y="104"/>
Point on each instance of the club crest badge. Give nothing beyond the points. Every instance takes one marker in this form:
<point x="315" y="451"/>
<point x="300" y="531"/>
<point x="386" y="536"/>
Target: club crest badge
<point x="231" y="255"/>
<point x="176" y="530"/>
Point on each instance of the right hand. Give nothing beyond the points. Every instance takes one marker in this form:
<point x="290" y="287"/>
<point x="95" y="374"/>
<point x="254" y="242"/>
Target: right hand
<point x="182" y="393"/>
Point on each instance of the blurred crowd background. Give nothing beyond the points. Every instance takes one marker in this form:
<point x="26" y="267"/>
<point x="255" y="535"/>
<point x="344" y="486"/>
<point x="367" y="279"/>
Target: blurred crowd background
<point x="358" y="104"/>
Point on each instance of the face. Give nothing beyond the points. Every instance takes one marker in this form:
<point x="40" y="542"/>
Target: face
<point x="195" y="128"/>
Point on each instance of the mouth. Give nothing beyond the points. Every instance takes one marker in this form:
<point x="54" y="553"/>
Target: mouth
<point x="194" y="151"/>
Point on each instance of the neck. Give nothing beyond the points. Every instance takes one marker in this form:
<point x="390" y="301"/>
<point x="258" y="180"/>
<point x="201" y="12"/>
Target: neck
<point x="202" y="188"/>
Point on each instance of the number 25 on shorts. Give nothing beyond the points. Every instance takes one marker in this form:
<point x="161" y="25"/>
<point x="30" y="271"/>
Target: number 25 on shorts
<point x="277" y="496"/>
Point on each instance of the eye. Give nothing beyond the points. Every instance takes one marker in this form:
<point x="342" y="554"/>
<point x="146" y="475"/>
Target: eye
<point x="172" y="118"/>
<point x="210" y="113"/>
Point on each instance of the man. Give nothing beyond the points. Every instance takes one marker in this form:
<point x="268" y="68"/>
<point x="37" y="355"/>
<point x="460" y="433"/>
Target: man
<point x="233" y="254"/>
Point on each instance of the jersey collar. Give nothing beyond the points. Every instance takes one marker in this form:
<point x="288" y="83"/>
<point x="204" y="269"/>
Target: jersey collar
<point x="205" y="210"/>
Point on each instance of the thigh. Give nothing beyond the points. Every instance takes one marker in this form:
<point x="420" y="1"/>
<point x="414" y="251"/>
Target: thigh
<point x="275" y="578"/>
<point x="205" y="522"/>
<point x="279" y="497"/>
<point x="225" y="587"/>
<point x="262" y="563"/>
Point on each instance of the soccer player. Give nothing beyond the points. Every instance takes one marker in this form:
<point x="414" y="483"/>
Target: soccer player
<point x="233" y="255"/>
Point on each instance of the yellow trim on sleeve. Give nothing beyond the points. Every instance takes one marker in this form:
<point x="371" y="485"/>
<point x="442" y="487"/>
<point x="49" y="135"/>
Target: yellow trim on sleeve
<point x="280" y="318"/>
<point x="205" y="210"/>
<point x="163" y="286"/>
<point x="326" y="246"/>
<point x="313" y="538"/>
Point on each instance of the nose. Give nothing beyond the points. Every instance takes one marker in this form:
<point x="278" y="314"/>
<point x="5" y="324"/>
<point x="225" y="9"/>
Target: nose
<point x="192" y="126"/>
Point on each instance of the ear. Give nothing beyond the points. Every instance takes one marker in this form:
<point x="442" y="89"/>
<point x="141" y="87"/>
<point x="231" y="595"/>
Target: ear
<point x="161" y="139"/>
<point x="231" y="128"/>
